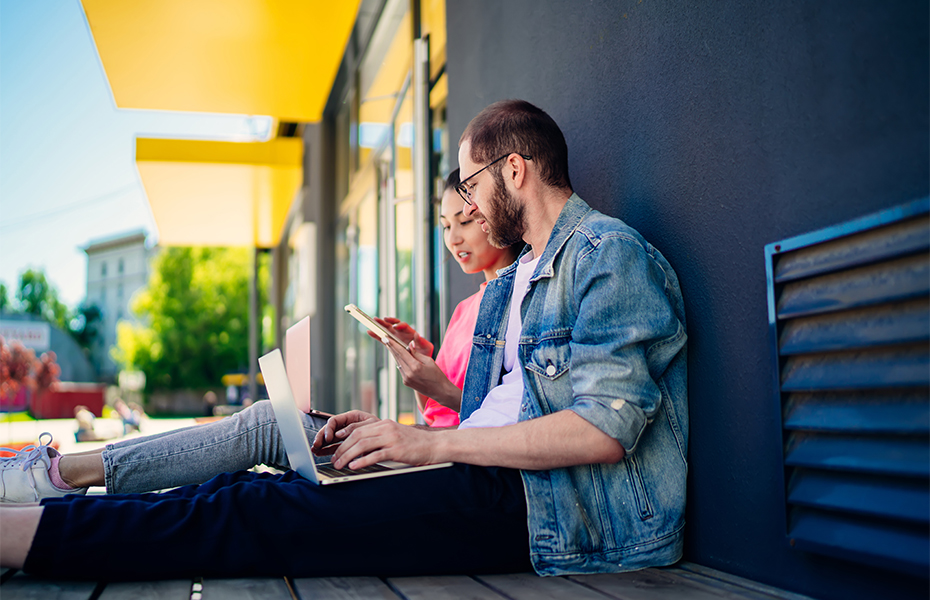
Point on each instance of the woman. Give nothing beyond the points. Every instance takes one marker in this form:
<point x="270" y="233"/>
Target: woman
<point x="438" y="385"/>
<point x="196" y="454"/>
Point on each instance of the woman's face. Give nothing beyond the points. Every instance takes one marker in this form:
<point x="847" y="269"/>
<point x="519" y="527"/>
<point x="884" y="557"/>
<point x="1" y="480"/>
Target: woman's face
<point x="465" y="240"/>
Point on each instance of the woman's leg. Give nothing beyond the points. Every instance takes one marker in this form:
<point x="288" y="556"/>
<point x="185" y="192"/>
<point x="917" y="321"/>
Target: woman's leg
<point x="186" y="456"/>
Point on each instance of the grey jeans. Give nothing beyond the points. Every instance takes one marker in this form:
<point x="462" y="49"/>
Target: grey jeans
<point x="194" y="455"/>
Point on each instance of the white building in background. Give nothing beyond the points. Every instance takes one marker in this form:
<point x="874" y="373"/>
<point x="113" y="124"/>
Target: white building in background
<point x="117" y="266"/>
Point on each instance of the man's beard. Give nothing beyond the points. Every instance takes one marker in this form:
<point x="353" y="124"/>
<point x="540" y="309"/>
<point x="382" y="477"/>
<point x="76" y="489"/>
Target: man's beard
<point x="507" y="226"/>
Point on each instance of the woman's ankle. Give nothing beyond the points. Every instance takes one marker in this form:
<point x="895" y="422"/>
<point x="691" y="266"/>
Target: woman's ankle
<point x="81" y="471"/>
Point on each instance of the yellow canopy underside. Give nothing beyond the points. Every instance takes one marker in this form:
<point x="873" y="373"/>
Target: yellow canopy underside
<point x="253" y="57"/>
<point x="220" y="193"/>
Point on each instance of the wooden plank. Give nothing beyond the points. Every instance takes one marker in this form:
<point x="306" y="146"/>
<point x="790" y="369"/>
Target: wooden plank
<point x="148" y="590"/>
<point x="690" y="569"/>
<point x="343" y="588"/>
<point x="653" y="584"/>
<point x="530" y="586"/>
<point x="246" y="589"/>
<point x="26" y="587"/>
<point x="444" y="587"/>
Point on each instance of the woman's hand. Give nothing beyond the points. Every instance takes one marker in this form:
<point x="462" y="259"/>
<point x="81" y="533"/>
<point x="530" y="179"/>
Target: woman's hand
<point x="407" y="334"/>
<point x="421" y="373"/>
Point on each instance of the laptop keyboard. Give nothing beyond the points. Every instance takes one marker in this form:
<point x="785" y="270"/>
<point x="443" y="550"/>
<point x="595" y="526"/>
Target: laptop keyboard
<point x="326" y="469"/>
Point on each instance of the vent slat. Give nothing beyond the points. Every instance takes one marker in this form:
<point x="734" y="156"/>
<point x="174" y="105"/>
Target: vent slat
<point x="900" y="499"/>
<point x="877" y="543"/>
<point x="849" y="309"/>
<point x="899" y="239"/>
<point x="906" y="413"/>
<point x="894" y="280"/>
<point x="882" y="455"/>
<point x="906" y="366"/>
<point x="860" y="328"/>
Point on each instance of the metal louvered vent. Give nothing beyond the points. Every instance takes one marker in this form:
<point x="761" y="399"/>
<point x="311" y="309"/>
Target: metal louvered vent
<point x="849" y="312"/>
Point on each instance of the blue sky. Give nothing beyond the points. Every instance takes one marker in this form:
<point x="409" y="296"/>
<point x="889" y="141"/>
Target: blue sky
<point x="67" y="170"/>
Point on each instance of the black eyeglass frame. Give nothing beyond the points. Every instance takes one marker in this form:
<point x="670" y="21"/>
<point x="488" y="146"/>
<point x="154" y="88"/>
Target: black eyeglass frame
<point x="464" y="192"/>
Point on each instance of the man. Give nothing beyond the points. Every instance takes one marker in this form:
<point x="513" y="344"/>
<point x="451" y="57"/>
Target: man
<point x="571" y="451"/>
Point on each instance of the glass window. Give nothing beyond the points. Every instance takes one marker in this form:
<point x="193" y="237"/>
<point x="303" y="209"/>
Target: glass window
<point x="119" y="267"/>
<point x="366" y="284"/>
<point x="433" y="24"/>
<point x="345" y="363"/>
<point x="382" y="76"/>
<point x="403" y="148"/>
<point x="103" y="269"/>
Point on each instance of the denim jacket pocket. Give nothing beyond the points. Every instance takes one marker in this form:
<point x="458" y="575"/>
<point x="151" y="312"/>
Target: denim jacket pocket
<point x="547" y="360"/>
<point x="549" y="356"/>
<point x="638" y="488"/>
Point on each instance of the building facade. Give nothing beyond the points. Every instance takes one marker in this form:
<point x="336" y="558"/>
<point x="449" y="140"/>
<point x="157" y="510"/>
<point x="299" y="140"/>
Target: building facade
<point x="714" y="133"/>
<point x="117" y="267"/>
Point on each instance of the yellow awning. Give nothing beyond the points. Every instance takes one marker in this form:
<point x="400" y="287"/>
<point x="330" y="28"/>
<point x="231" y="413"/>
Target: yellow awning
<point x="253" y="57"/>
<point x="205" y="193"/>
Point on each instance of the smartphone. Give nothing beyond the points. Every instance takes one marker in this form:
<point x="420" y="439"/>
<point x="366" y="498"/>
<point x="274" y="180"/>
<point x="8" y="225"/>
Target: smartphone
<point x="370" y="323"/>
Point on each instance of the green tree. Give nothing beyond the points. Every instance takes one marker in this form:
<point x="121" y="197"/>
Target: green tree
<point x="85" y="325"/>
<point x="38" y="297"/>
<point x="4" y="298"/>
<point x="195" y="309"/>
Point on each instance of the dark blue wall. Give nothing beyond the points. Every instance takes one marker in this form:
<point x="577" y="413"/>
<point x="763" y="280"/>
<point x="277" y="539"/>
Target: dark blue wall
<point x="715" y="128"/>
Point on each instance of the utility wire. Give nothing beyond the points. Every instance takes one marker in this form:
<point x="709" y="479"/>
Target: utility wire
<point x="68" y="207"/>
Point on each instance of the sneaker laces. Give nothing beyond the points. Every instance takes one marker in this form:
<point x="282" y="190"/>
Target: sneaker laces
<point x="26" y="458"/>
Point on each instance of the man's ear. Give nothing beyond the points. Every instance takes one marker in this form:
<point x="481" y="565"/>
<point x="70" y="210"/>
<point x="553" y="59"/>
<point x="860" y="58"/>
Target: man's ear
<point x="519" y="166"/>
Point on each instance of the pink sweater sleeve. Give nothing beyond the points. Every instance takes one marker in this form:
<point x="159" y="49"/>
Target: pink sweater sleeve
<point x="453" y="355"/>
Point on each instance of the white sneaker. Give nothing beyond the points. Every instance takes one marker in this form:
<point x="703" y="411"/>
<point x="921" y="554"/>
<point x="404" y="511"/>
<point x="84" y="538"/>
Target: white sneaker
<point x="24" y="476"/>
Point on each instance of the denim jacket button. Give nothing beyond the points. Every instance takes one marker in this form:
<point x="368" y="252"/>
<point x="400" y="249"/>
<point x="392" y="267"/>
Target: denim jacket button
<point x="550" y="370"/>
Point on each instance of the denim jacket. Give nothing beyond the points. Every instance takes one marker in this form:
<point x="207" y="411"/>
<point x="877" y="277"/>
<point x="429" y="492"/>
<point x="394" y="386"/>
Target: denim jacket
<point x="603" y="336"/>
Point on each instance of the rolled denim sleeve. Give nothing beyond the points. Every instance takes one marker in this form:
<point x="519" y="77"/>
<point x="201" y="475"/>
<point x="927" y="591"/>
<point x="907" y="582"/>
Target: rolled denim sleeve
<point x="625" y="335"/>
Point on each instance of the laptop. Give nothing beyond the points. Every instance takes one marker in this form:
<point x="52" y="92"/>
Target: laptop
<point x="297" y="361"/>
<point x="296" y="444"/>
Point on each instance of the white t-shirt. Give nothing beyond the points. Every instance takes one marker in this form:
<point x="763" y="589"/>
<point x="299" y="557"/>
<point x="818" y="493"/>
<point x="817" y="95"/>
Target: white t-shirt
<point x="502" y="404"/>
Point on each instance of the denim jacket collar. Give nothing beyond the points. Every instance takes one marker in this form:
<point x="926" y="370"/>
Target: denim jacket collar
<point x="569" y="219"/>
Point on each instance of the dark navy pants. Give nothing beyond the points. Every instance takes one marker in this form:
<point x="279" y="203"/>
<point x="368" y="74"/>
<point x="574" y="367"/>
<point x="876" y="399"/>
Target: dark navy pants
<point x="461" y="519"/>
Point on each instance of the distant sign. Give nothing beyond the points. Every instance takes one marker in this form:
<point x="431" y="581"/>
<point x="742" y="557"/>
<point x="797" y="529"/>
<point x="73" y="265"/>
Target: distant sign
<point x="30" y="334"/>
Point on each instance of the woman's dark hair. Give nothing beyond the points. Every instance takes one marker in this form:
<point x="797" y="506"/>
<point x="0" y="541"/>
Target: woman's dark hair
<point x="518" y="126"/>
<point x="452" y="180"/>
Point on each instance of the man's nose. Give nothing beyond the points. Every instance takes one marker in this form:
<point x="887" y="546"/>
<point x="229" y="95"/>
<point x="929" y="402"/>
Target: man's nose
<point x="469" y="209"/>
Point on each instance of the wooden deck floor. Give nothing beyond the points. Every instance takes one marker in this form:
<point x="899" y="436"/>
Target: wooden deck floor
<point x="683" y="582"/>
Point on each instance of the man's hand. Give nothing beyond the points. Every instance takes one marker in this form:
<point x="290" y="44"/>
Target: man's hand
<point x="372" y="442"/>
<point x="338" y="428"/>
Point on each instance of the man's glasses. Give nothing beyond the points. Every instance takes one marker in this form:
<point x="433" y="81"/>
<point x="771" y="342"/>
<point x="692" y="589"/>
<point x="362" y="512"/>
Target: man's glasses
<point x="465" y="191"/>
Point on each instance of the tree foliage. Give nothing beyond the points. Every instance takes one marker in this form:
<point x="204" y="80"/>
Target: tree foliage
<point x="38" y="297"/>
<point x="195" y="310"/>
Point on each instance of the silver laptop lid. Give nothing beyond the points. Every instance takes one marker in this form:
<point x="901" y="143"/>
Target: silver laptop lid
<point x="296" y="444"/>
<point x="297" y="360"/>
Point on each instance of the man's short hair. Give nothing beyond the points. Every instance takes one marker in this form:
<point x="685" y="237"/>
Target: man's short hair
<point x="518" y="126"/>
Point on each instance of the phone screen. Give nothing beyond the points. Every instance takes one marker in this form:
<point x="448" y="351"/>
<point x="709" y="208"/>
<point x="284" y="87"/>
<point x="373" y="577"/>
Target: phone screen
<point x="370" y="323"/>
